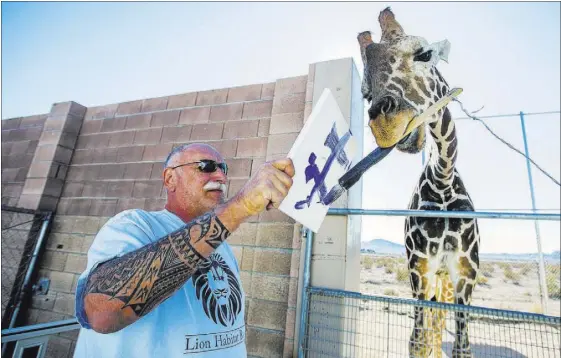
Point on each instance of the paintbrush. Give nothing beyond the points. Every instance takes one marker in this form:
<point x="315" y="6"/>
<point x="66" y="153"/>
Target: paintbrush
<point x="355" y="173"/>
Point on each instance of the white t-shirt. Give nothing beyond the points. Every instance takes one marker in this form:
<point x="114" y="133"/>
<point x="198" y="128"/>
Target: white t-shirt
<point x="192" y="322"/>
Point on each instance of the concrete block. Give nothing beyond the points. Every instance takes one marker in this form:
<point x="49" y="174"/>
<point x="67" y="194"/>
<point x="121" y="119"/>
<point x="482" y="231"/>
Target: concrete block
<point x="252" y="147"/>
<point x="33" y="121"/>
<point x="275" y="215"/>
<point x="155" y="204"/>
<point x="12" y="123"/>
<point x="182" y="100"/>
<point x="261" y="109"/>
<point x="275" y="235"/>
<point x="131" y="107"/>
<point x="290" y="325"/>
<point x="76" y="263"/>
<point x="264" y="127"/>
<point x="130" y="203"/>
<point x="64" y="303"/>
<point x="103" y="207"/>
<point x="289" y="103"/>
<point x="290" y="86"/>
<point x="176" y="134"/>
<point x="138" y="121"/>
<point x="94" y="189"/>
<point x="90" y="127"/>
<point x="122" y="189"/>
<point x="211" y="97"/>
<point x="240" y="129"/>
<point x="113" y="124"/>
<point x="154" y="104"/>
<point x="256" y="164"/>
<point x="60" y="281"/>
<point x="261" y="343"/>
<point x="239" y="168"/>
<point x="165" y="119"/>
<point x="129" y="154"/>
<point x="158" y="152"/>
<point x="271" y="288"/>
<point x="265" y="314"/>
<point x="210" y="131"/>
<point x="121" y="139"/>
<point x="138" y="171"/>
<point x="53" y="260"/>
<point x="272" y="261"/>
<point x="226" y="112"/>
<point x="148" y="136"/>
<point x="244" y="93"/>
<point x="287" y="123"/>
<point x="280" y="143"/>
<point x="72" y="189"/>
<point x="194" y="115"/>
<point x="147" y="189"/>
<point x="111" y="171"/>
<point x="244" y="235"/>
<point x="268" y="90"/>
<point x="226" y="148"/>
<point x="234" y="186"/>
<point x="247" y="259"/>
<point x="85" y="225"/>
<point x="157" y="171"/>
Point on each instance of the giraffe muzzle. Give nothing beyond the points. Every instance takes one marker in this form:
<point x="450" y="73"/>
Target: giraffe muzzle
<point x="389" y="120"/>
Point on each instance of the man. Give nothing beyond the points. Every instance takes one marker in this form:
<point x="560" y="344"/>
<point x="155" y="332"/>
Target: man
<point x="166" y="283"/>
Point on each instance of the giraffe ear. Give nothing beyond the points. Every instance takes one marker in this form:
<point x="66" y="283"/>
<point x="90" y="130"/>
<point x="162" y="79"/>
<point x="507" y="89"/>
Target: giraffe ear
<point x="441" y="48"/>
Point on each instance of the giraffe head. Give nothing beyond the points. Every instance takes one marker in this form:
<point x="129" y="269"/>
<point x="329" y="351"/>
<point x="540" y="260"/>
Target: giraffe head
<point x="400" y="81"/>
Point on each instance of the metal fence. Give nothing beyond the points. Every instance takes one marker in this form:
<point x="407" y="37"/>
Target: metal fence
<point x="346" y="324"/>
<point x="21" y="230"/>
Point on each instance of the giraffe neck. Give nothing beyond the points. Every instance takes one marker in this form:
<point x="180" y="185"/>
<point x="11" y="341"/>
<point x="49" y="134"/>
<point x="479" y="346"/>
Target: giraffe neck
<point x="443" y="155"/>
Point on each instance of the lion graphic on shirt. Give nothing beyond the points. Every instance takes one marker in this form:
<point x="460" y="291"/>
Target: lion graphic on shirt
<point x="218" y="290"/>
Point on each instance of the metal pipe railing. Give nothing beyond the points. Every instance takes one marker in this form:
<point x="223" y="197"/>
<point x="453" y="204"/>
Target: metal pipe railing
<point x="446" y="214"/>
<point x="37" y="330"/>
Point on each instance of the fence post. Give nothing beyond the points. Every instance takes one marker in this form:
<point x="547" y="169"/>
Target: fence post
<point x="541" y="263"/>
<point x="305" y="294"/>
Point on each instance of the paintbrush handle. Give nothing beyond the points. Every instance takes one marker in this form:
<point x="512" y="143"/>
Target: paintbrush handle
<point x="355" y="173"/>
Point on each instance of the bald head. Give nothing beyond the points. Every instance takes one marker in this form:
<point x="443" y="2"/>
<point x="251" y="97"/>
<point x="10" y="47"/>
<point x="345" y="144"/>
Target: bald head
<point x="175" y="155"/>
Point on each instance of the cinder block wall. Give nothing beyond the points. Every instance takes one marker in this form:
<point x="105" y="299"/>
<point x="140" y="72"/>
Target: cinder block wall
<point x="20" y="137"/>
<point x="101" y="160"/>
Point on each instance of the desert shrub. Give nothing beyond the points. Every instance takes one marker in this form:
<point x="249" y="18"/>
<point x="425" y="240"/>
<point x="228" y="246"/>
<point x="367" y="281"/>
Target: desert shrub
<point x="390" y="292"/>
<point x="511" y="275"/>
<point x="390" y="268"/>
<point x="553" y="289"/>
<point x="487" y="269"/>
<point x="482" y="280"/>
<point x="525" y="269"/>
<point x="384" y="261"/>
<point x="504" y="265"/>
<point x="402" y="274"/>
<point x="367" y="262"/>
<point x="555" y="270"/>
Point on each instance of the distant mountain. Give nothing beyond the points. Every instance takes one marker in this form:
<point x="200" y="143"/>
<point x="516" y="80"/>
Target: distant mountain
<point x="381" y="246"/>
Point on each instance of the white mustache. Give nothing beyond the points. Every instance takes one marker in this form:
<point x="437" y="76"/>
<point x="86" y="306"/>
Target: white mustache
<point x="214" y="185"/>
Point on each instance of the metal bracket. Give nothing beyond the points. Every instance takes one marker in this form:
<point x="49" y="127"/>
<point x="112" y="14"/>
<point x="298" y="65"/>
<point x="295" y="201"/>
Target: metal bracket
<point x="42" y="287"/>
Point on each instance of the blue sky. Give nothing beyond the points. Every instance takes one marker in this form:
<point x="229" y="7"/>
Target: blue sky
<point x="506" y="56"/>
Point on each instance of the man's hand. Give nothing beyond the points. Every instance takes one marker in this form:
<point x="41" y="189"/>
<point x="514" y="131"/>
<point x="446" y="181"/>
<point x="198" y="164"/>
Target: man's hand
<point x="267" y="188"/>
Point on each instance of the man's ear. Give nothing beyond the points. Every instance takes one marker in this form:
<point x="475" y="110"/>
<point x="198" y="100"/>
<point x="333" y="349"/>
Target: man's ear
<point x="170" y="179"/>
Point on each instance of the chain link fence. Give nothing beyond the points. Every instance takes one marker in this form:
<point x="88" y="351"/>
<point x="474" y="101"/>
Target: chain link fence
<point x="346" y="324"/>
<point x="20" y="231"/>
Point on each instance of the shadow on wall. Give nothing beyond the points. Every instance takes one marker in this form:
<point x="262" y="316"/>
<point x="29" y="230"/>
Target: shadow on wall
<point x="485" y="350"/>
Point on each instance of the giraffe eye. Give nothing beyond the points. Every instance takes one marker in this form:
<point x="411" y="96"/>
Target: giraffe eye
<point x="424" y="57"/>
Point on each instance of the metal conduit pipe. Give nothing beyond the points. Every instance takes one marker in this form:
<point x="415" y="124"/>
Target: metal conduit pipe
<point x="32" y="263"/>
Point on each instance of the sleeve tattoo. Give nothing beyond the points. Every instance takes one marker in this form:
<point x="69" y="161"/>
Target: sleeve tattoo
<point x="144" y="278"/>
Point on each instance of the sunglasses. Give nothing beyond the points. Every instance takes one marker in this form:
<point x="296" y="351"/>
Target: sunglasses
<point x="207" y="166"/>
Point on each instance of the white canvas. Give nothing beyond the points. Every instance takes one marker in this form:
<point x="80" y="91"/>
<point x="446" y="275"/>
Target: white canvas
<point x="327" y="135"/>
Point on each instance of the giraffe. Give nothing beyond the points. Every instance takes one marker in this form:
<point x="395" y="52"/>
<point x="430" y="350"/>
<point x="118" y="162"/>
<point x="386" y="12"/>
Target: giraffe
<point x="401" y="80"/>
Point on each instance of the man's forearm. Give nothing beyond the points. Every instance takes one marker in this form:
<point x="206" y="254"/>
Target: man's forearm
<point x="124" y="289"/>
